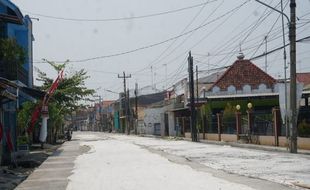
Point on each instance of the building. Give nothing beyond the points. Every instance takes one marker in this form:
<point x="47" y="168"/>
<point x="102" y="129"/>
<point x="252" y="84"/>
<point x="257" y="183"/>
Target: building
<point x="15" y="26"/>
<point x="16" y="79"/>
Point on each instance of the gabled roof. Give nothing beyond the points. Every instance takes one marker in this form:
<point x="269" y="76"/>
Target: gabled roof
<point x="244" y="72"/>
<point x="107" y="103"/>
<point x="213" y="77"/>
<point x="303" y="78"/>
<point x="149" y="99"/>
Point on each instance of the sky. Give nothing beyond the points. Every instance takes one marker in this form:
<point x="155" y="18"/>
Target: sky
<point x="151" y="39"/>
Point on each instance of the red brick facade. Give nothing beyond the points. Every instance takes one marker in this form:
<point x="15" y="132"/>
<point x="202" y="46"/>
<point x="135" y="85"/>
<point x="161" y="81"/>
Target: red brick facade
<point x="244" y="72"/>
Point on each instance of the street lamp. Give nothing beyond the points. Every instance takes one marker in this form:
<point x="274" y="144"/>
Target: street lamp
<point x="238" y="107"/>
<point x="250" y="117"/>
<point x="250" y="105"/>
<point x="238" y="121"/>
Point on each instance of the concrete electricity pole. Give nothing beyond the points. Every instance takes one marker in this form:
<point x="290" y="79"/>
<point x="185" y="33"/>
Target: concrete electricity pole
<point x="136" y="108"/>
<point x="292" y="36"/>
<point x="192" y="98"/>
<point x="124" y="77"/>
<point x="293" y="101"/>
<point x="197" y="84"/>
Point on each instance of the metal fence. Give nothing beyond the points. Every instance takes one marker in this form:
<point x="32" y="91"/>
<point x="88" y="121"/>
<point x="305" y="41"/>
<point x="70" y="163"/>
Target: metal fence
<point x="304" y="122"/>
<point x="229" y="126"/>
<point x="263" y="124"/>
<point x="211" y="124"/>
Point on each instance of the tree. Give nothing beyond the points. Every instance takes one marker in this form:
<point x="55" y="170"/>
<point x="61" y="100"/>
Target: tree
<point x="11" y="52"/>
<point x="70" y="91"/>
<point x="66" y="98"/>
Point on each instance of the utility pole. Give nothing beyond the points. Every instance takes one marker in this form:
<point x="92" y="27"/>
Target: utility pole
<point x="129" y="114"/>
<point x="292" y="36"/>
<point x="166" y="82"/>
<point x="192" y="98"/>
<point x="293" y="101"/>
<point x="152" y="75"/>
<point x="124" y="77"/>
<point x="197" y="100"/>
<point x="100" y="115"/>
<point x="266" y="64"/>
<point x="136" y="107"/>
<point x="287" y="131"/>
<point x="197" y="93"/>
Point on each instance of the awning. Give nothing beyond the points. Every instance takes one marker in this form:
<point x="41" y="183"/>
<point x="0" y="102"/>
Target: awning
<point x="243" y="95"/>
<point x="7" y="86"/>
<point x="8" y="95"/>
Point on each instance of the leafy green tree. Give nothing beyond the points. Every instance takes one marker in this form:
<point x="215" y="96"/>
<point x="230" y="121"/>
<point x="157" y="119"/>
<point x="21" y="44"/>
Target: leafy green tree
<point x="64" y="101"/>
<point x="11" y="52"/>
<point x="71" y="89"/>
<point x="23" y="117"/>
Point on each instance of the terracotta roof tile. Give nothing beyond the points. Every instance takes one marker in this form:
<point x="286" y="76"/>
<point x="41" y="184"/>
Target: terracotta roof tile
<point x="303" y="78"/>
<point x="244" y="72"/>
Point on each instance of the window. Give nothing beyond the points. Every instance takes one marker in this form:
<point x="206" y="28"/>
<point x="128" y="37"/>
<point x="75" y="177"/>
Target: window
<point x="246" y="88"/>
<point x="215" y="89"/>
<point x="231" y="89"/>
<point x="262" y="87"/>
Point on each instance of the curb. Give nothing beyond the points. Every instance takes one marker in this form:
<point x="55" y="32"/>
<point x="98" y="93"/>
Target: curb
<point x="239" y="145"/>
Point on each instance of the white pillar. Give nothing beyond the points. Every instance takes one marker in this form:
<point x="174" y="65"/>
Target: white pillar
<point x="43" y="131"/>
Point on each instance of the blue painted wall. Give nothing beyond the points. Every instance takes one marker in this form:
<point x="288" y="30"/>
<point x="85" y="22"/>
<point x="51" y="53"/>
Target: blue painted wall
<point x="23" y="35"/>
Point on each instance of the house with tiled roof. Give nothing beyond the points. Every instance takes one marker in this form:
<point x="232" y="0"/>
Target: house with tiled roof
<point x="239" y="84"/>
<point x="246" y="89"/>
<point x="305" y="79"/>
<point x="243" y="77"/>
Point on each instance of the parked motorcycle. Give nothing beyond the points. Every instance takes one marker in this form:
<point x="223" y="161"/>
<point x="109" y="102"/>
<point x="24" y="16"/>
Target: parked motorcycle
<point x="69" y="135"/>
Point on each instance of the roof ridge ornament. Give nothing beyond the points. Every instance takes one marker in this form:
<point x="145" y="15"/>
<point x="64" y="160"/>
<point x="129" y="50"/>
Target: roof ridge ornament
<point x="241" y="55"/>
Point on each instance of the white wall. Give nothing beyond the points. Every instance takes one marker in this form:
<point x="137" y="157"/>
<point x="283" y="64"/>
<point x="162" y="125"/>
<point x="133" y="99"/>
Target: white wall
<point x="171" y="121"/>
<point x="153" y="116"/>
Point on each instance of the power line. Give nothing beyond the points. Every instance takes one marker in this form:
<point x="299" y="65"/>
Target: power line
<point x="246" y="34"/>
<point x="163" y="52"/>
<point x="182" y="67"/>
<point x="267" y="35"/>
<point x="201" y="40"/>
<point x="173" y="50"/>
<point x="121" y="18"/>
<point x="279" y="48"/>
<point x="162" y="42"/>
<point x="176" y="76"/>
<point x="246" y="48"/>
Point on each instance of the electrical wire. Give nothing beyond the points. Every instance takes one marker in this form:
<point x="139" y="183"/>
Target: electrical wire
<point x="173" y="42"/>
<point x="121" y="18"/>
<point x="161" y="42"/>
<point x="245" y="35"/>
<point x="201" y="40"/>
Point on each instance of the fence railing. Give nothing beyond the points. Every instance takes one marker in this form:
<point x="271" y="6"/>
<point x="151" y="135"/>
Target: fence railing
<point x="263" y="124"/>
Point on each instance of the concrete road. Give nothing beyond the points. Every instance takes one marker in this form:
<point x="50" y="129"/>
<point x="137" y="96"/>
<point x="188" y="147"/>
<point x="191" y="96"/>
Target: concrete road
<point x="108" y="161"/>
